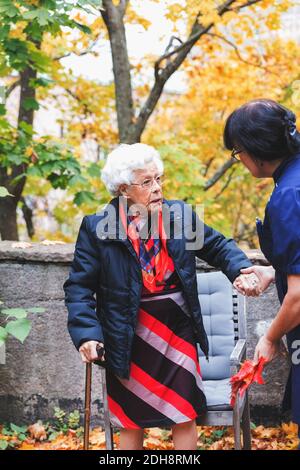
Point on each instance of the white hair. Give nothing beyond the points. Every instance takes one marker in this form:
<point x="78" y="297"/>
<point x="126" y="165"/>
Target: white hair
<point x="124" y="160"/>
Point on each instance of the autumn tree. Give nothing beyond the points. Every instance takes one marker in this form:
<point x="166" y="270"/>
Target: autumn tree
<point x="202" y="30"/>
<point x="202" y="17"/>
<point x="232" y="197"/>
<point x="24" y="25"/>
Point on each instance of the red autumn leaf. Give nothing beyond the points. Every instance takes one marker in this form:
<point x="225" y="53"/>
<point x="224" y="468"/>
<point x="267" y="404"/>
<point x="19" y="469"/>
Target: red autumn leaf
<point x="248" y="373"/>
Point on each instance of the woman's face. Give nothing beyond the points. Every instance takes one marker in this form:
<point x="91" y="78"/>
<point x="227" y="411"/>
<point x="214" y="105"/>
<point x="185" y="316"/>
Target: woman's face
<point x="258" y="168"/>
<point x="140" y="192"/>
<point x="252" y="165"/>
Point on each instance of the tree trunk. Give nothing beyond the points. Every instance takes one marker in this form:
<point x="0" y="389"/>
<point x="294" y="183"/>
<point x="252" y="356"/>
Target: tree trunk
<point x="8" y="204"/>
<point x="113" y="18"/>
<point x="8" y="218"/>
<point x="28" y="217"/>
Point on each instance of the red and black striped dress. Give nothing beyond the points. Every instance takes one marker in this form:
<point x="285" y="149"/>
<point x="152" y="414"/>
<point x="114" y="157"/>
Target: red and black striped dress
<point x="165" y="385"/>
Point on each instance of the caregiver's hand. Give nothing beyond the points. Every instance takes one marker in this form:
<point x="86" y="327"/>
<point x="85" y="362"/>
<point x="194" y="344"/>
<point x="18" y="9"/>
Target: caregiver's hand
<point x="265" y="274"/>
<point x="266" y="348"/>
<point x="88" y="351"/>
<point x="247" y="284"/>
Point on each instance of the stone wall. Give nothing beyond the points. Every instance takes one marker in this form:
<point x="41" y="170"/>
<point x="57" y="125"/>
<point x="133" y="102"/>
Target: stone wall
<point x="47" y="371"/>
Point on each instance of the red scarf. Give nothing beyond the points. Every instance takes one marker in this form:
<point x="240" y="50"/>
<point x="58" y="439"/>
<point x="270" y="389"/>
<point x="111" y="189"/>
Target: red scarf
<point x="162" y="261"/>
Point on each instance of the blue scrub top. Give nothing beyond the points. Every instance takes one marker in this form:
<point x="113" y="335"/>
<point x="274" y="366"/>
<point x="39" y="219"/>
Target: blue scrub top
<point x="279" y="237"/>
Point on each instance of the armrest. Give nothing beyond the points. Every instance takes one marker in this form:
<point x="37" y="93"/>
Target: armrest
<point x="238" y="353"/>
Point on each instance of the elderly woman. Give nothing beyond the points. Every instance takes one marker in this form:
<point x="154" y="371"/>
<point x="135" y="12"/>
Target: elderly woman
<point x="146" y="314"/>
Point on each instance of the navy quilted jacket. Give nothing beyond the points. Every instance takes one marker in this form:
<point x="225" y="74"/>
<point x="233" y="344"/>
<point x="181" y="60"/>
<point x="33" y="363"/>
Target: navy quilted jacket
<point x="103" y="290"/>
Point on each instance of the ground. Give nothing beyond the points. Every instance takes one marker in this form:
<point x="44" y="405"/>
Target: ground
<point x="36" y="437"/>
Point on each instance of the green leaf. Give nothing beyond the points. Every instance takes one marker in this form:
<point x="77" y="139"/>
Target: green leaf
<point x="15" y="159"/>
<point x="19" y="329"/>
<point x="84" y="197"/>
<point x="30" y="15"/>
<point x="83" y="4"/>
<point x="94" y="170"/>
<point x="18" y="429"/>
<point x="17" y="52"/>
<point x="44" y="82"/>
<point x="3" y="335"/>
<point x="34" y="171"/>
<point x="14" y="312"/>
<point x="82" y="27"/>
<point x="27" y="128"/>
<point x="3" y="444"/>
<point x="51" y="4"/>
<point x="30" y="103"/>
<point x="4" y="124"/>
<point x="4" y="31"/>
<point x="4" y="192"/>
<point x="6" y="432"/>
<point x="41" y="61"/>
<point x="36" y="310"/>
<point x="8" y="8"/>
<point x="76" y="180"/>
<point x="42" y="16"/>
<point x="2" y="109"/>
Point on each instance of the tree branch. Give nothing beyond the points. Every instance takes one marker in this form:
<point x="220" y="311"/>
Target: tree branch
<point x="75" y="97"/>
<point x="207" y="167"/>
<point x="239" y="54"/>
<point x="244" y="5"/>
<point x="79" y="54"/>
<point x="163" y="74"/>
<point x="123" y="6"/>
<point x="219" y="173"/>
<point x="225" y="186"/>
<point x="11" y="88"/>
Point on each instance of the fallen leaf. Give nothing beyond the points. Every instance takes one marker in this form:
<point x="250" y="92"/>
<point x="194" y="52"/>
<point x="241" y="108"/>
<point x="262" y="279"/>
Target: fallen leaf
<point x="52" y="242"/>
<point x="37" y="432"/>
<point x="290" y="428"/>
<point x="21" y="245"/>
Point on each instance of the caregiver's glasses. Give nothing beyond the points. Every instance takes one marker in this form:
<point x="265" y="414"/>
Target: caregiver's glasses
<point x="234" y="154"/>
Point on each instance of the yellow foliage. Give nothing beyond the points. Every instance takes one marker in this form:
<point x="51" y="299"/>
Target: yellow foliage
<point x="132" y="17"/>
<point x="218" y="79"/>
<point x="29" y="151"/>
<point x="218" y="82"/>
<point x="17" y="31"/>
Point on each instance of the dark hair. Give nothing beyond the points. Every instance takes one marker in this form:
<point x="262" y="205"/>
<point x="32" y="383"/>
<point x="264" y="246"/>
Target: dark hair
<point x="264" y="129"/>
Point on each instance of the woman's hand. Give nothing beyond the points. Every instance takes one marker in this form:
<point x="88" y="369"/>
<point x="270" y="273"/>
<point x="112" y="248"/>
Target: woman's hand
<point x="266" y="349"/>
<point x="265" y="274"/>
<point x="247" y="284"/>
<point x="88" y="351"/>
<point x="254" y="280"/>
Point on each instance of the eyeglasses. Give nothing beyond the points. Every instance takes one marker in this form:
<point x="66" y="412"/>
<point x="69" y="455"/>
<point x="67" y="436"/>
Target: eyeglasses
<point x="234" y="154"/>
<point x="148" y="183"/>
